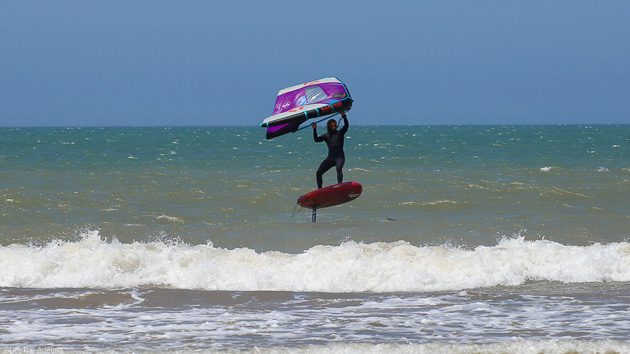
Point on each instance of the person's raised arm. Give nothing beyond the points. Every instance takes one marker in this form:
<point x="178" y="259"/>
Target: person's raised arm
<point x="346" y="124"/>
<point x="318" y="139"/>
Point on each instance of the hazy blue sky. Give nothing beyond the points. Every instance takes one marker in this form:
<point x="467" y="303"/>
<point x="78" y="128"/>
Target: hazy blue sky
<point x="221" y="62"/>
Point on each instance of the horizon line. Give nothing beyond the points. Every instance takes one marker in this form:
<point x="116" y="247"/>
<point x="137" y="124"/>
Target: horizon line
<point x="355" y="125"/>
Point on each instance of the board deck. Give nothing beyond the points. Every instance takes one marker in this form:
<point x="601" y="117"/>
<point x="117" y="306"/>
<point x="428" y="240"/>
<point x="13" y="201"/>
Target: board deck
<point x="331" y="195"/>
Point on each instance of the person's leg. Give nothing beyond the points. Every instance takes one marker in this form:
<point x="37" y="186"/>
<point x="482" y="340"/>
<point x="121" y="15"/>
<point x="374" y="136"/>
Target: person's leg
<point x="339" y="164"/>
<point x="323" y="167"/>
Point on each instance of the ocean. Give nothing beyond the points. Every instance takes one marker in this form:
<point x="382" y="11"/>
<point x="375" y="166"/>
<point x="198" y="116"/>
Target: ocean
<point x="465" y="239"/>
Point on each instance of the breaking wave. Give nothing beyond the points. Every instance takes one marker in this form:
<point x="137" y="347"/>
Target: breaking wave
<point x="349" y="267"/>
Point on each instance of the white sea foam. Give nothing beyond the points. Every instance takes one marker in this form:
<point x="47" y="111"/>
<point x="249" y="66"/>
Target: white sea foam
<point x="547" y="168"/>
<point x="357" y="169"/>
<point x="349" y="267"/>
<point x="602" y="169"/>
<point x="461" y="321"/>
<point x="168" y="218"/>
<point x="515" y="346"/>
<point x="433" y="203"/>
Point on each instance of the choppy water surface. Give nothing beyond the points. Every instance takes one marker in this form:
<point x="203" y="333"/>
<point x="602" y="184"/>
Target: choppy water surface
<point x="161" y="319"/>
<point x="470" y="238"/>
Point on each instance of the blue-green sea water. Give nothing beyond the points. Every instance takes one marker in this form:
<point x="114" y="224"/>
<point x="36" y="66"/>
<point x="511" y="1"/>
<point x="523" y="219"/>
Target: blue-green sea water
<point x="496" y="238"/>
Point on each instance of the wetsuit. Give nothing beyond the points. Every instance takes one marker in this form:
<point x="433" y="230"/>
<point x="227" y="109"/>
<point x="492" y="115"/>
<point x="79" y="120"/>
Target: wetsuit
<point x="335" y="157"/>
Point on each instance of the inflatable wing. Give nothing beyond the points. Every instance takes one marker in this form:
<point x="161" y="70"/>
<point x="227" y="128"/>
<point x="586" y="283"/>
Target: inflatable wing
<point x="297" y="104"/>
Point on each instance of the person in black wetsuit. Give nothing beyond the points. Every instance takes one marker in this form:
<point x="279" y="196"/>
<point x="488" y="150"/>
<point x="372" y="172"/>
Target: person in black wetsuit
<point x="334" y="139"/>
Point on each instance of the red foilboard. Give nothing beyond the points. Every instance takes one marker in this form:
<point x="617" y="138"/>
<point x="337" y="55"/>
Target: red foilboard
<point x="331" y="195"/>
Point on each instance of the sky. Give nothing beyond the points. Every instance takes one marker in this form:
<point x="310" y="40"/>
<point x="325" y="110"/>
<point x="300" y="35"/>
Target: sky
<point x="169" y="63"/>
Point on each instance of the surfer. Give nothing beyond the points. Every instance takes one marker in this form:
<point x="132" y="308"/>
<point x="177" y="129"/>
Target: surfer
<point x="334" y="140"/>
